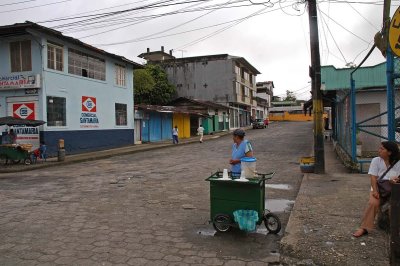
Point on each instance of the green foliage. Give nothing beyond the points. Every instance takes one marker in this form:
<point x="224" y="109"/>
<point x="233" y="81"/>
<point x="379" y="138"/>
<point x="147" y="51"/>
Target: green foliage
<point x="151" y="86"/>
<point x="290" y="96"/>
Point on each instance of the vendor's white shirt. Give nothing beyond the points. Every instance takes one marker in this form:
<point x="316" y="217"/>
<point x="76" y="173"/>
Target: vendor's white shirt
<point x="378" y="168"/>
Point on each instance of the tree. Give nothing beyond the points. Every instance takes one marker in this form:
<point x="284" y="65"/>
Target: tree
<point x="290" y="97"/>
<point x="151" y="86"/>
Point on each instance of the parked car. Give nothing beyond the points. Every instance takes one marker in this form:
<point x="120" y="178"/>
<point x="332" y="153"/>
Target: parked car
<point x="258" y="123"/>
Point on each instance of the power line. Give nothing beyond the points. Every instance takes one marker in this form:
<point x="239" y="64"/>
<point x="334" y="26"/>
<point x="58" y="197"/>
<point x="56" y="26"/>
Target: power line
<point x="227" y="27"/>
<point x="369" y="22"/>
<point x="146" y="18"/>
<point x="337" y="23"/>
<point x="102" y="32"/>
<point x="17" y="3"/>
<point x="31" y="7"/>
<point x="333" y="38"/>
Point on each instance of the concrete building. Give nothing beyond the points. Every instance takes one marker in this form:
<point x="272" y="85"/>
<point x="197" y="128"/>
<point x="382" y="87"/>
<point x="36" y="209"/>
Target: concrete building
<point x="265" y="92"/>
<point x="223" y="79"/>
<point x="83" y="93"/>
<point x="370" y="109"/>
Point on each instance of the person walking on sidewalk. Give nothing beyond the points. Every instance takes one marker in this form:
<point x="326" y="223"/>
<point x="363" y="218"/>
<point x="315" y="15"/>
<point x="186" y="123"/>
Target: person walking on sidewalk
<point x="175" y="133"/>
<point x="384" y="167"/>
<point x="200" y="132"/>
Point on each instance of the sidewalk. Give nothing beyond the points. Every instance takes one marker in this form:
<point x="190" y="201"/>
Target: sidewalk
<point x="89" y="156"/>
<point x="328" y="209"/>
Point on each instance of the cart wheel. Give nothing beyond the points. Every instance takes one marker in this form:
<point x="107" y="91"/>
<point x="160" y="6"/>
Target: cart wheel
<point x="16" y="161"/>
<point x="221" y="223"/>
<point x="272" y="223"/>
<point x="28" y="161"/>
<point x="3" y="159"/>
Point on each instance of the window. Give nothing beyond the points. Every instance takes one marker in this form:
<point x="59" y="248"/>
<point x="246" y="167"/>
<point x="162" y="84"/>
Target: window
<point x="246" y="76"/>
<point x="121" y="115"/>
<point x="86" y="65"/>
<point x="20" y="55"/>
<point x="237" y="70"/>
<point x="56" y="111"/>
<point x="55" y="57"/>
<point x="120" y="75"/>
<point x="251" y="79"/>
<point x="237" y="88"/>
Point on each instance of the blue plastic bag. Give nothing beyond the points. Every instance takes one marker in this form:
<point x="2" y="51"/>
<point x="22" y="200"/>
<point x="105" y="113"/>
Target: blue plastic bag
<point x="247" y="219"/>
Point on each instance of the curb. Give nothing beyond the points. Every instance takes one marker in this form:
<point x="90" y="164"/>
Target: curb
<point x="105" y="156"/>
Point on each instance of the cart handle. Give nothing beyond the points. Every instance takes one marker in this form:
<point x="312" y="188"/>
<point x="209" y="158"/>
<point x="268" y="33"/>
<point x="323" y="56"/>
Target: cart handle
<point x="262" y="177"/>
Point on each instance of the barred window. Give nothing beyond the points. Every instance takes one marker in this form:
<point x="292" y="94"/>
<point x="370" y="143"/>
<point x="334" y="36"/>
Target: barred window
<point x="20" y="54"/>
<point x="121" y="115"/>
<point x="120" y="74"/>
<point x="56" y="111"/>
<point x="86" y="65"/>
<point x="55" y="57"/>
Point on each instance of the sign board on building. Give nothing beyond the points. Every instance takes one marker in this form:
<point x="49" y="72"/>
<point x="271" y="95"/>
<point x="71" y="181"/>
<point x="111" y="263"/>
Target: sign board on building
<point x="33" y="91"/>
<point x="25" y="134"/>
<point x="394" y="33"/>
<point x="19" y="81"/>
<point x="89" y="117"/>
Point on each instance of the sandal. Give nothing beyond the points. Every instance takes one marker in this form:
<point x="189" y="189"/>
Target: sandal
<point x="360" y="232"/>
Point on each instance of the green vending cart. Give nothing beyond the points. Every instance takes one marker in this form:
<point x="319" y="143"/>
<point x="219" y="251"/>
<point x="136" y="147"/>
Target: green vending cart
<point x="230" y="198"/>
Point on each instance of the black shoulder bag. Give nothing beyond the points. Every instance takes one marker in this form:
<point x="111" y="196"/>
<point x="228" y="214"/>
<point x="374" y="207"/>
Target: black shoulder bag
<point x="384" y="186"/>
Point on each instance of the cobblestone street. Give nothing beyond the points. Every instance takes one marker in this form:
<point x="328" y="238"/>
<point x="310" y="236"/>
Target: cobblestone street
<point x="149" y="208"/>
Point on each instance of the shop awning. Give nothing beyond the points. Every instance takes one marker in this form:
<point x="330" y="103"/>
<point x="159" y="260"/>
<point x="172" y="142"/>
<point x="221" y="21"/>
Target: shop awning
<point x="13" y="121"/>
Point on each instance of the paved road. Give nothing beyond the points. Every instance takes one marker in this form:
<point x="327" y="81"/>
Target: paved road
<point x="143" y="209"/>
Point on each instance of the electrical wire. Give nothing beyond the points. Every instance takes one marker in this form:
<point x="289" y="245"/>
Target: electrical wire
<point x="333" y="38"/>
<point x="17" y="3"/>
<point x="337" y="23"/>
<point x="31" y="7"/>
<point x="102" y="32"/>
<point x="225" y="28"/>
<point x="369" y="22"/>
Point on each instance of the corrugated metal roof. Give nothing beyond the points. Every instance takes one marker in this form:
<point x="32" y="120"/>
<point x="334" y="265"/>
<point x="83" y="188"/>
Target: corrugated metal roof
<point x="365" y="77"/>
<point x="23" y="28"/>
<point x="168" y="109"/>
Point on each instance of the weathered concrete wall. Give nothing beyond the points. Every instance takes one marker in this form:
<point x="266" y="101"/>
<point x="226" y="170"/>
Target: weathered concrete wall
<point x="205" y="80"/>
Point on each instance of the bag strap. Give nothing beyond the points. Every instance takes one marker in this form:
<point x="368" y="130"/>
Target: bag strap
<point x="387" y="170"/>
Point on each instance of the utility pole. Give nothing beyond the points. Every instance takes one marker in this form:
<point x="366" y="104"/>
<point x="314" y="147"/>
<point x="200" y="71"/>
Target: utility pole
<point x="315" y="74"/>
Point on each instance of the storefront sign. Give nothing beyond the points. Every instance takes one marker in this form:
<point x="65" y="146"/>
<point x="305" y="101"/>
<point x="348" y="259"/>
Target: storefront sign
<point x="25" y="134"/>
<point x="19" y="81"/>
<point x="24" y="110"/>
<point x="89" y="117"/>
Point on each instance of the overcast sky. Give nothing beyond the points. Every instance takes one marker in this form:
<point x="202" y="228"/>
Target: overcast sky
<point x="275" y="41"/>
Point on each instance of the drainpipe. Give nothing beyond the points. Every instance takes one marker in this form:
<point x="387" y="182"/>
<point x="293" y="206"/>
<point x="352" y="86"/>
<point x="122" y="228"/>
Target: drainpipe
<point x="353" y="119"/>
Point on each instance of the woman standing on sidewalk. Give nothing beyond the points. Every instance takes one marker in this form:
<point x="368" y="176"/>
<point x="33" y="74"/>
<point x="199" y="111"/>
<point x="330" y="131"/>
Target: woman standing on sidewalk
<point x="384" y="167"/>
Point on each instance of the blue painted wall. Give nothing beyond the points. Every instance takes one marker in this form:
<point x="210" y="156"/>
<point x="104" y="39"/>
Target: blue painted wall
<point x="78" y="141"/>
<point x="158" y="127"/>
<point x="72" y="88"/>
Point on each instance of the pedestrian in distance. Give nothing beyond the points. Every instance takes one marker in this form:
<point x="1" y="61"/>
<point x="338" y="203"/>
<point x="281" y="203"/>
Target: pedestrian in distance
<point x="175" y="133"/>
<point x="383" y="169"/>
<point x="241" y="148"/>
<point x="200" y="132"/>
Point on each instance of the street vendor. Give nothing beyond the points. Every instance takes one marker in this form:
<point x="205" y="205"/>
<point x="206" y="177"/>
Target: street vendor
<point x="10" y="138"/>
<point x="241" y="148"/>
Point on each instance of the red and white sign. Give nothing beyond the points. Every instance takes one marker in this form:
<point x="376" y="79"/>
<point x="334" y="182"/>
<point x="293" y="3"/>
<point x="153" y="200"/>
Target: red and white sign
<point x="89" y="104"/>
<point x="24" y="110"/>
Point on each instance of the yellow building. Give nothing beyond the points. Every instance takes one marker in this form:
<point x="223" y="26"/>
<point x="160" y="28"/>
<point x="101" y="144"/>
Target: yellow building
<point x="183" y="123"/>
<point x="289" y="116"/>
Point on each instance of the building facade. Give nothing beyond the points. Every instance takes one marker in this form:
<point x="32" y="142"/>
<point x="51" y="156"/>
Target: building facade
<point x="222" y="79"/>
<point x="83" y="93"/>
<point x="265" y="92"/>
